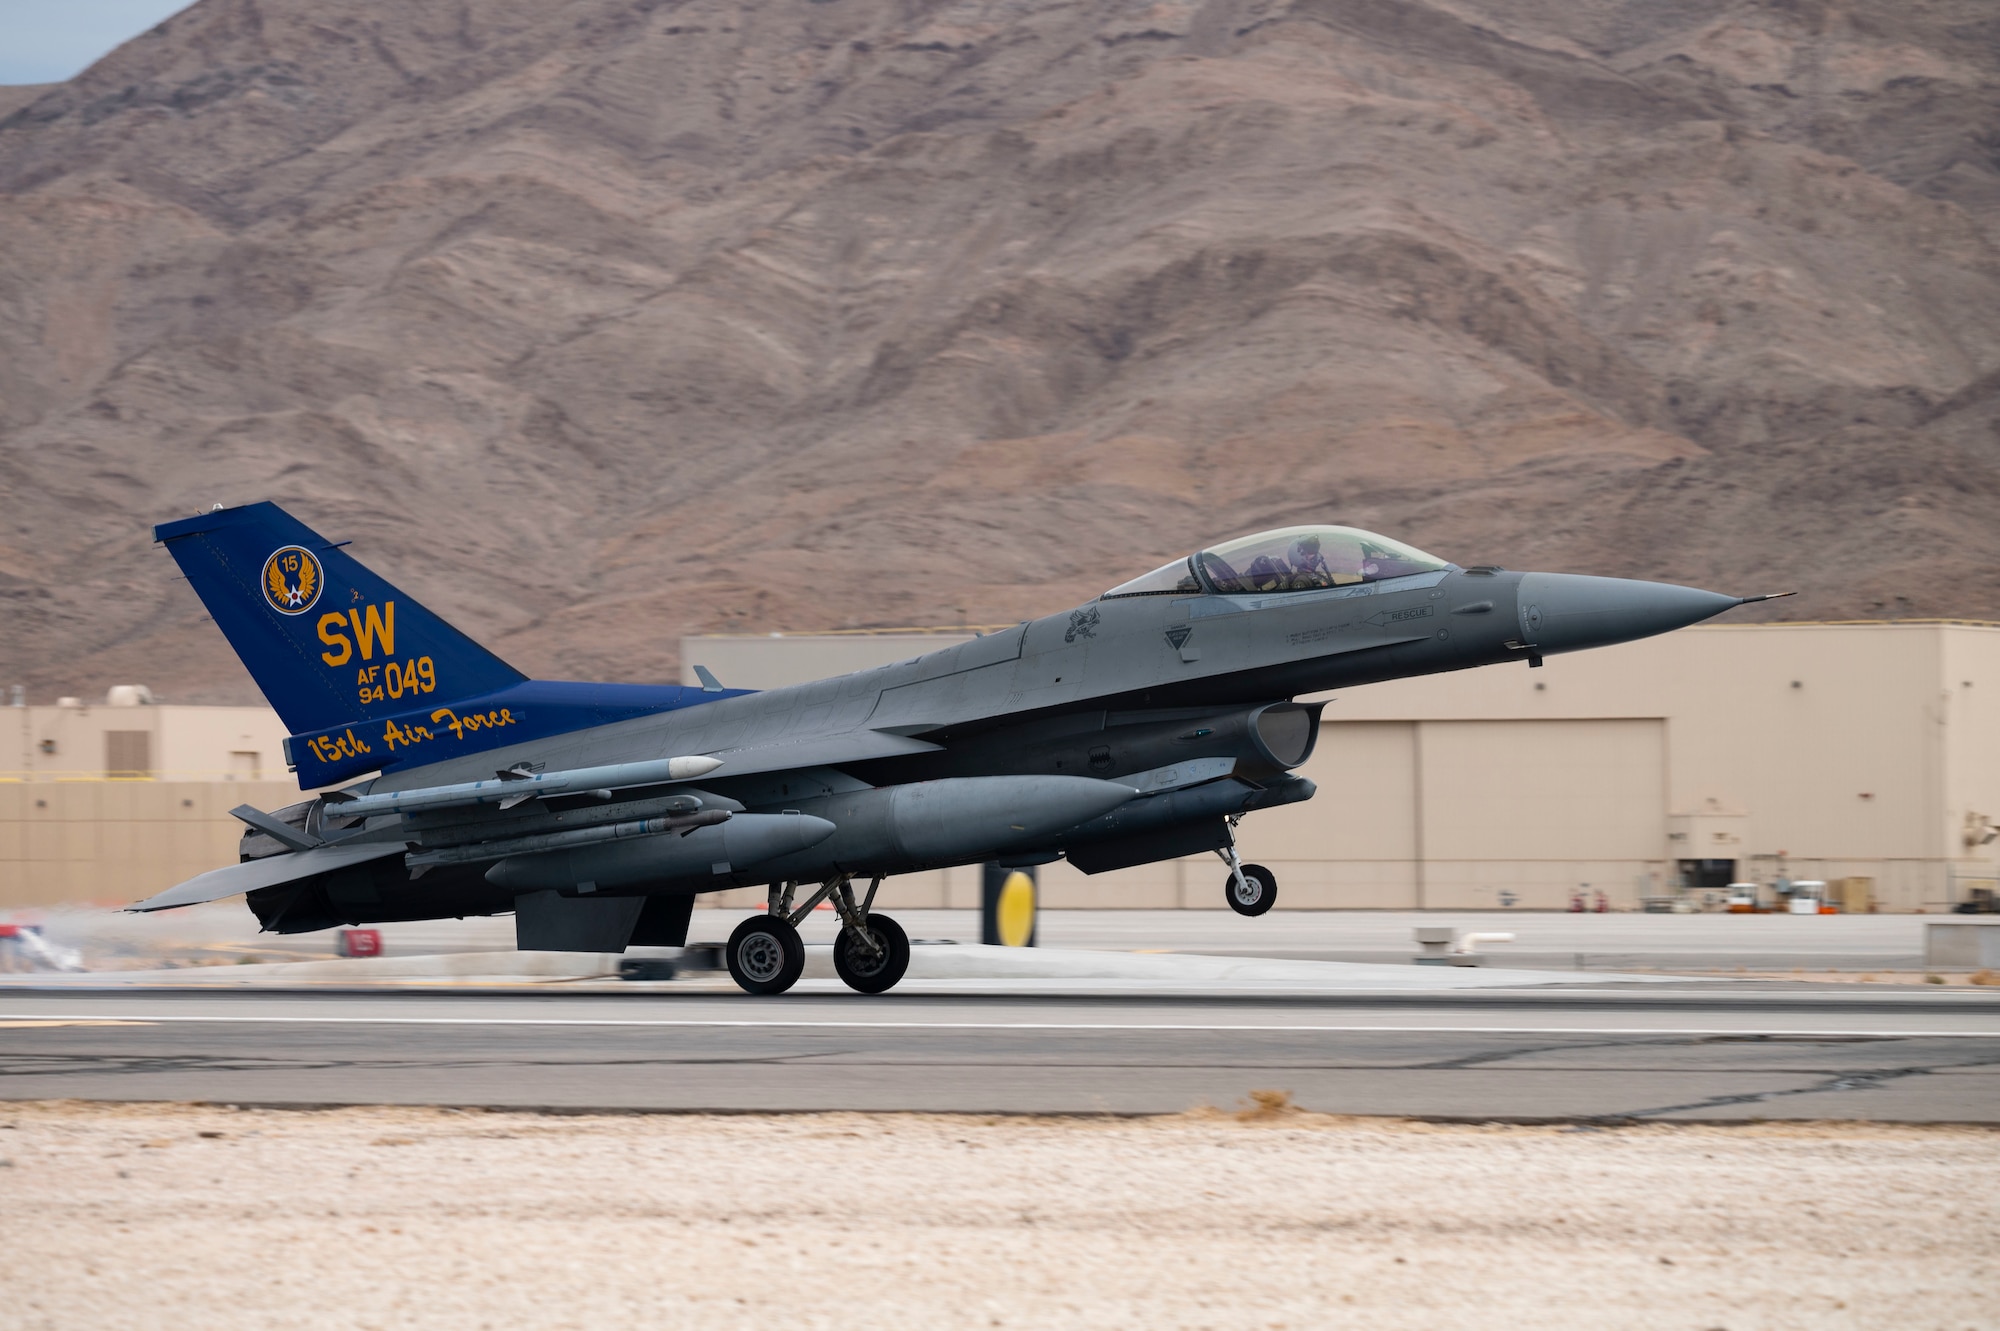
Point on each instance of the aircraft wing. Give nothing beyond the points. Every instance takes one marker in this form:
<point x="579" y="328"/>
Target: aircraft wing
<point x="267" y="872"/>
<point x="851" y="746"/>
<point x="775" y="755"/>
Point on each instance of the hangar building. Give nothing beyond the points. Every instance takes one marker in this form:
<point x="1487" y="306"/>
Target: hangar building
<point x="109" y="801"/>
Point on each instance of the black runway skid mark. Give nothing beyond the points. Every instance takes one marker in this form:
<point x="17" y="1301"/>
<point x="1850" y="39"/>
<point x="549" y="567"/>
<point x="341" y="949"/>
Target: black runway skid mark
<point x="1840" y="1082"/>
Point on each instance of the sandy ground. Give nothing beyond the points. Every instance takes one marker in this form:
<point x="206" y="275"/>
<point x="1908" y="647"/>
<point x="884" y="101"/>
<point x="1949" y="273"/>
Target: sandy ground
<point x="171" y="1216"/>
<point x="1954" y="979"/>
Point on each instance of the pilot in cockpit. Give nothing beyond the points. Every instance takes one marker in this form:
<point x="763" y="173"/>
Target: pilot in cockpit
<point x="1309" y="563"/>
<point x="1301" y="568"/>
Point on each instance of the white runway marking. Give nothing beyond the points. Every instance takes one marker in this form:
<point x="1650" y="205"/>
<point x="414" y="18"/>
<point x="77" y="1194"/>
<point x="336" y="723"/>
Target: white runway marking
<point x="52" y="1019"/>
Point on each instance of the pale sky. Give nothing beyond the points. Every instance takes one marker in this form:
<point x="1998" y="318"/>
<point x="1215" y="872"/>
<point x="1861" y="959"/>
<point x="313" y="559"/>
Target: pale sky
<point x="46" y="41"/>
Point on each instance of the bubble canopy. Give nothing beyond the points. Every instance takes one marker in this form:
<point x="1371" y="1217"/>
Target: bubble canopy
<point x="1290" y="559"/>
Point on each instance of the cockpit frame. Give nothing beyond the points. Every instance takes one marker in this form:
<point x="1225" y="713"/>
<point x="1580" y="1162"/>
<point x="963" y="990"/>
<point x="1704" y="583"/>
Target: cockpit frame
<point x="1284" y="559"/>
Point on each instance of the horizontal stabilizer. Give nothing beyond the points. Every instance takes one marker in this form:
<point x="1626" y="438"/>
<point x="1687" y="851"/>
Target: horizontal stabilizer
<point x="267" y="872"/>
<point x="513" y="789"/>
<point x="291" y="838"/>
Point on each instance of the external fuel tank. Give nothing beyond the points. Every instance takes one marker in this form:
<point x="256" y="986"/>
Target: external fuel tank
<point x="957" y="820"/>
<point x="700" y="856"/>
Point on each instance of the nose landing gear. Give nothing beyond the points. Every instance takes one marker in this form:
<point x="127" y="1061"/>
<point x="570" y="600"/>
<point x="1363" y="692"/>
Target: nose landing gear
<point x="1250" y="889"/>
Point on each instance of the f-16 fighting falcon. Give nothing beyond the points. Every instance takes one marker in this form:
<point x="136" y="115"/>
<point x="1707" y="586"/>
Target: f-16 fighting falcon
<point x="1142" y="726"/>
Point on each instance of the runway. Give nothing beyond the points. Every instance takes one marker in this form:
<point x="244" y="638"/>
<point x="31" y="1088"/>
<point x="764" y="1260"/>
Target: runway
<point x="1720" y="1053"/>
<point x="1543" y="940"/>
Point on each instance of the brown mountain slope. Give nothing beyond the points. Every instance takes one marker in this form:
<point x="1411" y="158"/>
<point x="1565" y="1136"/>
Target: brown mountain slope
<point x="593" y="323"/>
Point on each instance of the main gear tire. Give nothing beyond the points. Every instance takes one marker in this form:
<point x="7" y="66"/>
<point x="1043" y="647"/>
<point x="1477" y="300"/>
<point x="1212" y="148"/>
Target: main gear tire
<point x="1254" y="893"/>
<point x="877" y="973"/>
<point x="765" y="955"/>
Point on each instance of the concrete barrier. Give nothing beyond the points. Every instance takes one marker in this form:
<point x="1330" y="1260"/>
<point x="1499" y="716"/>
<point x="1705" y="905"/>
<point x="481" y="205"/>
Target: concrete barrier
<point x="1962" y="945"/>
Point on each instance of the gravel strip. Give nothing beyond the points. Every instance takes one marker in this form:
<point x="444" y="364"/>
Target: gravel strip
<point x="182" y="1216"/>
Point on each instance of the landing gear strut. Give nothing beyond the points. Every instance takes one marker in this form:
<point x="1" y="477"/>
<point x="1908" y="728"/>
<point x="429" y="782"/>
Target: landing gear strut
<point x="1250" y="889"/>
<point x="766" y="956"/>
<point x="872" y="952"/>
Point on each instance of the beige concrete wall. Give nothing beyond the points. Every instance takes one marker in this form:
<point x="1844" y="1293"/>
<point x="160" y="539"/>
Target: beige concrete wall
<point x="1523" y="813"/>
<point x="185" y="743"/>
<point x="1968" y="699"/>
<point x="1845" y="748"/>
<point x="1353" y="845"/>
<point x="114" y="842"/>
<point x="68" y="834"/>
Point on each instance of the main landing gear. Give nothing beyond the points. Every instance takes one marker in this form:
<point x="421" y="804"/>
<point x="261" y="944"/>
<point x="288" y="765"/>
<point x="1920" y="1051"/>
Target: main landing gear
<point x="1250" y="889"/>
<point x="766" y="957"/>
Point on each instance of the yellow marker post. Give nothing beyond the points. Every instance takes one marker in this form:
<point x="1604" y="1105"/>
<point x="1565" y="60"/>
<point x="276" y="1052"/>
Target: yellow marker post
<point x="1007" y="907"/>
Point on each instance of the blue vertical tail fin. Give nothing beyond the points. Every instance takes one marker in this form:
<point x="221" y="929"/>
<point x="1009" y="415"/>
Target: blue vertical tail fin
<point x="328" y="641"/>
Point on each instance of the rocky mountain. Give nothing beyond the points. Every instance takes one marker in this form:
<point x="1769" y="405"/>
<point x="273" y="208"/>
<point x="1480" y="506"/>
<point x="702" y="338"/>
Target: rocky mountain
<point x="592" y="323"/>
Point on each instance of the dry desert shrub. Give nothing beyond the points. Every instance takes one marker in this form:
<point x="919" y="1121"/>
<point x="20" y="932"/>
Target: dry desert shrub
<point x="1267" y="1105"/>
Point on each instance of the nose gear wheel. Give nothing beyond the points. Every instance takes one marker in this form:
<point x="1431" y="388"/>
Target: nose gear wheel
<point x="1250" y="889"/>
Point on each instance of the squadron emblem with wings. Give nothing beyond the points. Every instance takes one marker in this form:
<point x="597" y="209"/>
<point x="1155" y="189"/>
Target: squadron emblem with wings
<point x="291" y="580"/>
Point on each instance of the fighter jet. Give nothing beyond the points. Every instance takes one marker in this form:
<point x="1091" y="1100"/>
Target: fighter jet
<point x="1141" y="726"/>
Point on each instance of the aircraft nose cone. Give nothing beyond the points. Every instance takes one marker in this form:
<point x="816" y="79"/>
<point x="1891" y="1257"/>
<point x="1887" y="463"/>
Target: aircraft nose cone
<point x="1567" y="612"/>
